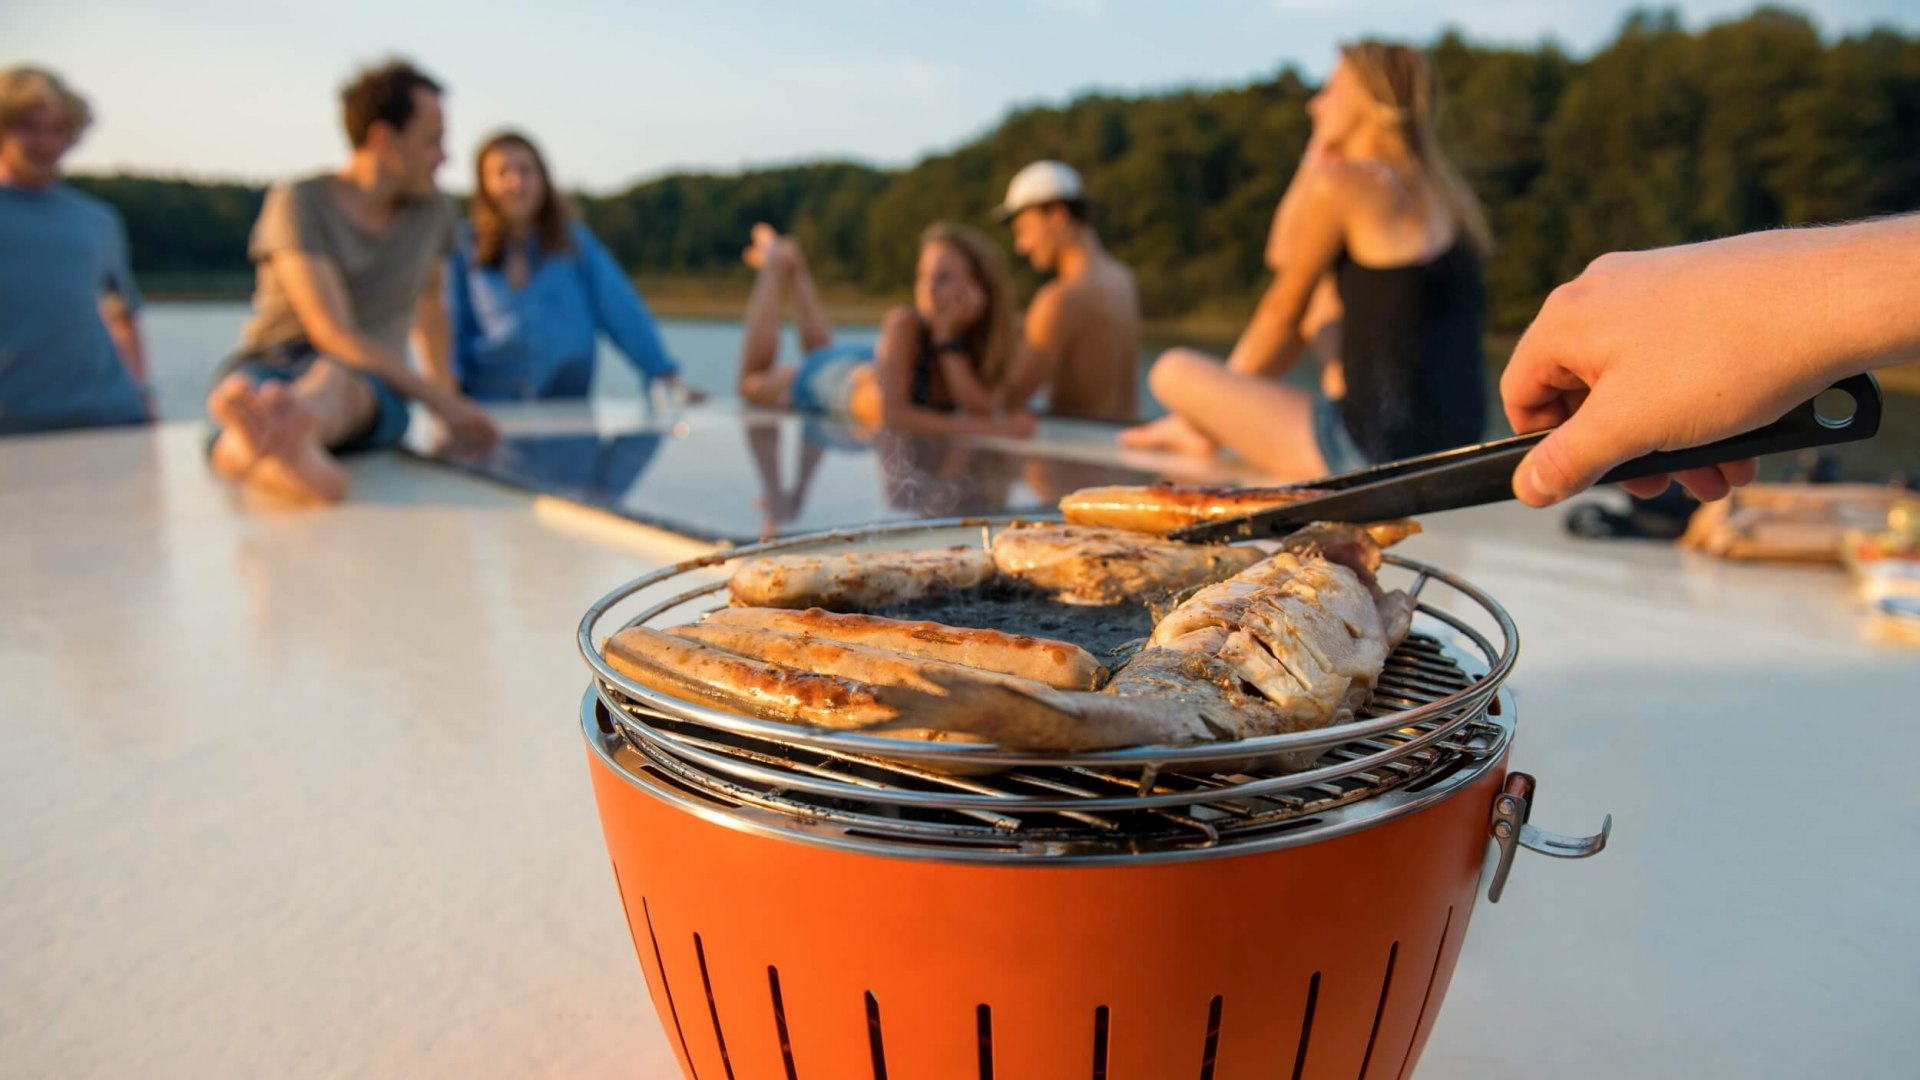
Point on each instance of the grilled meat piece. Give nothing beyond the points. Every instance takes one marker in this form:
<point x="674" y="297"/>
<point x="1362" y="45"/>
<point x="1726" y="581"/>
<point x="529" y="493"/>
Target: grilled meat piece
<point x="856" y="579"/>
<point x="1293" y="643"/>
<point x="1165" y="508"/>
<point x="690" y="669"/>
<point x="1058" y="664"/>
<point x="1085" y="565"/>
<point x="862" y="663"/>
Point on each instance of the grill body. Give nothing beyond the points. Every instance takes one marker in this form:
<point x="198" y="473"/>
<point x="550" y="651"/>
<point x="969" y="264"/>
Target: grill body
<point x="772" y="957"/>
<point x="817" y="905"/>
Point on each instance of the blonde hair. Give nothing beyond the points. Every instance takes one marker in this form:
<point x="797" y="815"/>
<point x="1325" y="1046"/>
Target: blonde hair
<point x="23" y="87"/>
<point x="1401" y="82"/>
<point x="990" y="340"/>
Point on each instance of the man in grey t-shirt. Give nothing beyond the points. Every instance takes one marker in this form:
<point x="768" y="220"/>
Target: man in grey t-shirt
<point x="347" y="264"/>
<point x="62" y="254"/>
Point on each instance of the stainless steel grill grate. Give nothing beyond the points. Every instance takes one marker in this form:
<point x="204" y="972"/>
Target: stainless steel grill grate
<point x="1435" y="711"/>
<point x="1062" y="809"/>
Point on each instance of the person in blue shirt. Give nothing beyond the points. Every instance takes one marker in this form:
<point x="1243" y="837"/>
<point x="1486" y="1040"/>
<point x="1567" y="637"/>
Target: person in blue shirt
<point x="530" y="289"/>
<point x="70" y="352"/>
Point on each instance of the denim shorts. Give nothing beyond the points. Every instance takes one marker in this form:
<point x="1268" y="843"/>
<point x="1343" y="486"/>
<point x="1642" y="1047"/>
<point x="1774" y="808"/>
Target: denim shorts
<point x="824" y="384"/>
<point x="1337" y="447"/>
<point x="290" y="360"/>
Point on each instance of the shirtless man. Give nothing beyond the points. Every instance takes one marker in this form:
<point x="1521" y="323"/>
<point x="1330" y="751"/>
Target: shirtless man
<point x="1082" y="339"/>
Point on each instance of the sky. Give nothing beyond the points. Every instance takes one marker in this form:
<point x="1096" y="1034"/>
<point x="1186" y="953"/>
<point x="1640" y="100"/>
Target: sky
<point x="621" y="91"/>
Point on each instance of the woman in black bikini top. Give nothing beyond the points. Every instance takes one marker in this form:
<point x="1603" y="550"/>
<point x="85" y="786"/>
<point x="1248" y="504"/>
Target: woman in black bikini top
<point x="1376" y="219"/>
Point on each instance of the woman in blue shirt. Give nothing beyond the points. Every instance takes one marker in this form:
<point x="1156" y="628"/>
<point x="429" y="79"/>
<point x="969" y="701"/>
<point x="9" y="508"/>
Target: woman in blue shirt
<point x="530" y="289"/>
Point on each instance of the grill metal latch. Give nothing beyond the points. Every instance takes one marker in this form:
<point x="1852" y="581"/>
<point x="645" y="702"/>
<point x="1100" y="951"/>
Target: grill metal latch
<point x="1511" y="831"/>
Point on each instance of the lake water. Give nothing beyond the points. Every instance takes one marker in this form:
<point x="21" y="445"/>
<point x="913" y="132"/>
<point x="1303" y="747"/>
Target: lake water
<point x="185" y="341"/>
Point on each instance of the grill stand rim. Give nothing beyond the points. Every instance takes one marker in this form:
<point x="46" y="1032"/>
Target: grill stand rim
<point x="1340" y="821"/>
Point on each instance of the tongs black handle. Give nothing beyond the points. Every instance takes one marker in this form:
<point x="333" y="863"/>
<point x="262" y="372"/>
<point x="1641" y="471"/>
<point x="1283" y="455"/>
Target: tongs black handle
<point x="1475" y="475"/>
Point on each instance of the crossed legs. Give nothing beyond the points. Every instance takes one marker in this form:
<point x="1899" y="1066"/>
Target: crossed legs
<point x="783" y="275"/>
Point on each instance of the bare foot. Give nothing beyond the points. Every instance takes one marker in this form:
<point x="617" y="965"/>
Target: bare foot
<point x="765" y="239"/>
<point x="294" y="455"/>
<point x="235" y="405"/>
<point x="1168" y="433"/>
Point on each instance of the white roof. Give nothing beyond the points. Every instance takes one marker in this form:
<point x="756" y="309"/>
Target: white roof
<point x="301" y="793"/>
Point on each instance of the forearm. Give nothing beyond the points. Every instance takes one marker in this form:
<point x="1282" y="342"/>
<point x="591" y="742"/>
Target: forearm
<point x="1032" y="368"/>
<point x="1863" y="279"/>
<point x="433" y="344"/>
<point x="363" y="353"/>
<point x="925" y="421"/>
<point x="1271" y="344"/>
<point x="125" y="331"/>
<point x="977" y="400"/>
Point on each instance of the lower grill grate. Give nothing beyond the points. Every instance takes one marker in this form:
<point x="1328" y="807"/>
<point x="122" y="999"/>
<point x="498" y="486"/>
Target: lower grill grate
<point x="1043" y="814"/>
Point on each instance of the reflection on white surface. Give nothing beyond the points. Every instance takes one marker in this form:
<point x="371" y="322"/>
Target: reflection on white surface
<point x="718" y="473"/>
<point x="300" y="793"/>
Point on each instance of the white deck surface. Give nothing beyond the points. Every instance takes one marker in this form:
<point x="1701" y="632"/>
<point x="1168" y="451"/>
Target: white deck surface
<point x="301" y="793"/>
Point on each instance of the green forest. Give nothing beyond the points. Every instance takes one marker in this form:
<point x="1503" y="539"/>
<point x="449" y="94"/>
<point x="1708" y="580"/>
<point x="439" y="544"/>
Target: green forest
<point x="1663" y="136"/>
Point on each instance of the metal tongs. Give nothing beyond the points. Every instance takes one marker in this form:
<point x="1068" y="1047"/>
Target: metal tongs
<point x="1476" y="475"/>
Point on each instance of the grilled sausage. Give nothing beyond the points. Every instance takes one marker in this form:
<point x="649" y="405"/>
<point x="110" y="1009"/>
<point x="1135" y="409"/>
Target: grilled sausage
<point x="856" y="579"/>
<point x="1056" y="663"/>
<point x="690" y="669"/>
<point x="1164" y="508"/>
<point x="861" y="663"/>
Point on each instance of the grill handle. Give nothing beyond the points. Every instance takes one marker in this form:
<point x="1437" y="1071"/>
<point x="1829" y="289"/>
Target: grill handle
<point x="1511" y="832"/>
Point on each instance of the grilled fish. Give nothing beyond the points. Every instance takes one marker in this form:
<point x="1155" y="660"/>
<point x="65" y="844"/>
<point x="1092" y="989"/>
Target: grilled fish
<point x="1293" y="643"/>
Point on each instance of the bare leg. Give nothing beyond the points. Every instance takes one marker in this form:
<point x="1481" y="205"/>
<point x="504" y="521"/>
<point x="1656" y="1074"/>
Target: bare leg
<point x="809" y="314"/>
<point x="341" y="401"/>
<point x="762" y="382"/>
<point x="1266" y="423"/>
<point x="1269" y="425"/>
<point x="1173" y="431"/>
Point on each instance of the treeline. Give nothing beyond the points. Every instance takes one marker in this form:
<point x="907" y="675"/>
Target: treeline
<point x="1663" y="136"/>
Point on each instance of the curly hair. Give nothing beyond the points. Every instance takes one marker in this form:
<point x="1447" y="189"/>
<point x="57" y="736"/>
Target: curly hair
<point x="23" y="87"/>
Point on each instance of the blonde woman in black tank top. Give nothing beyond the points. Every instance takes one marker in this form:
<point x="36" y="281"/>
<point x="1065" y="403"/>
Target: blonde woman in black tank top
<point x="1377" y="245"/>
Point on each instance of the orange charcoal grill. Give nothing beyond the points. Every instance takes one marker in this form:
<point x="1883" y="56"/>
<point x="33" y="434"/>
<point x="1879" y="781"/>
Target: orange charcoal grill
<point x="815" y="905"/>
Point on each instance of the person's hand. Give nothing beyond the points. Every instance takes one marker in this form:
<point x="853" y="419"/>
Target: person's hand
<point x="1020" y="424"/>
<point x="470" y="431"/>
<point x="1320" y="148"/>
<point x="955" y="308"/>
<point x="678" y="392"/>
<point x="1654" y="350"/>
